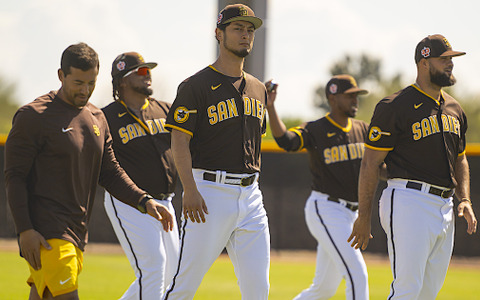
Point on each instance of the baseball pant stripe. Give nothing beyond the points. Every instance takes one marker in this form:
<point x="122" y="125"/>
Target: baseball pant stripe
<point x="179" y="259"/>
<point x="393" y="245"/>
<point x="336" y="248"/>
<point x="131" y="247"/>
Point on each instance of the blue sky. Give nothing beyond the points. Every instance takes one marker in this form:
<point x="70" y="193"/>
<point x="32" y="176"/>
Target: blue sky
<point x="303" y="39"/>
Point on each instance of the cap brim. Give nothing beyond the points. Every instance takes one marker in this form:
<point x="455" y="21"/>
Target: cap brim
<point x="451" y="53"/>
<point x="257" y="22"/>
<point x="356" y="90"/>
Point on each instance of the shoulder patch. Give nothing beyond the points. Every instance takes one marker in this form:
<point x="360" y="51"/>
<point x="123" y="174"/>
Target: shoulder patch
<point x="182" y="113"/>
<point x="376" y="133"/>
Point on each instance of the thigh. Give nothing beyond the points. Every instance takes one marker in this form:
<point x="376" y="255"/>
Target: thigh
<point x="60" y="268"/>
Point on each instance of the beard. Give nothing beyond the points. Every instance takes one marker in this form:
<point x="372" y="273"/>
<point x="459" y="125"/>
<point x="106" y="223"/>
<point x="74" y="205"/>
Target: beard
<point x="144" y="90"/>
<point x="442" y="79"/>
<point x="240" y="53"/>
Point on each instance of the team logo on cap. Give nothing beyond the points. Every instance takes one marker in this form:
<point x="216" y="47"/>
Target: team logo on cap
<point x="425" y="52"/>
<point x="242" y="11"/>
<point x="140" y="58"/>
<point x="121" y="65"/>
<point x="333" y="88"/>
<point x="182" y="113"/>
<point x="376" y="133"/>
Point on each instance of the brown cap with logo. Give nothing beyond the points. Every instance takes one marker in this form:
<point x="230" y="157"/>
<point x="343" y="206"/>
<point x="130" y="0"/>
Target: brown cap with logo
<point x="238" y="12"/>
<point x="343" y="84"/>
<point x="129" y="61"/>
<point x="435" y="46"/>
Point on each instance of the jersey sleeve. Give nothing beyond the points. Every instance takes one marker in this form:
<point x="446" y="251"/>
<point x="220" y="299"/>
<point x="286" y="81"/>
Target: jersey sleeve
<point x="183" y="114"/>
<point x="293" y="139"/>
<point x="382" y="134"/>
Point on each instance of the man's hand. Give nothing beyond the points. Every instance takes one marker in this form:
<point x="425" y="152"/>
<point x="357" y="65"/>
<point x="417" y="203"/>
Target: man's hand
<point x="465" y="210"/>
<point x="161" y="213"/>
<point x="194" y="206"/>
<point x="271" y="92"/>
<point x="30" y="242"/>
<point x="360" y="233"/>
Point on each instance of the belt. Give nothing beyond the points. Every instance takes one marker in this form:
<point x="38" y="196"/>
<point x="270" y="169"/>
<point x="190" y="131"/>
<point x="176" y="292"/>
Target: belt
<point x="163" y="196"/>
<point x="350" y="205"/>
<point x="241" y="181"/>
<point x="444" y="193"/>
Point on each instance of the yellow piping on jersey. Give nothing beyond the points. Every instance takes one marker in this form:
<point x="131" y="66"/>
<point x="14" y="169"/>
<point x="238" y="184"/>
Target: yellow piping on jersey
<point x="296" y="130"/>
<point x="145" y="105"/>
<point x="378" y="148"/>
<point x="344" y="129"/>
<point x="179" y="129"/>
<point x="213" y="68"/>
<point x="420" y="90"/>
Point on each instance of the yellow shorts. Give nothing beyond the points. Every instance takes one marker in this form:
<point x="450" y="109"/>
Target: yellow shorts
<point x="60" y="268"/>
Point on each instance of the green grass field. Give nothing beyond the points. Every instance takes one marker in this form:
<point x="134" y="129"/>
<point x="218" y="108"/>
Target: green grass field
<point x="107" y="276"/>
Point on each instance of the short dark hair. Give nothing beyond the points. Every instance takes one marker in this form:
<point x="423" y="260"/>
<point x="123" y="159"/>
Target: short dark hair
<point x="80" y="56"/>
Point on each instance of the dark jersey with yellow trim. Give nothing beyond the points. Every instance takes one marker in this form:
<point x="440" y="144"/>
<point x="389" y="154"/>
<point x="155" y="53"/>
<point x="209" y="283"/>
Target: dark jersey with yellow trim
<point x="226" y="126"/>
<point x="55" y="156"/>
<point x="335" y="154"/>
<point x="144" y="153"/>
<point x="423" y="136"/>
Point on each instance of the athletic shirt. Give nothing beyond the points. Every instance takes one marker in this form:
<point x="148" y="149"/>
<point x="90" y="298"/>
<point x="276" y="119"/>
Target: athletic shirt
<point x="424" y="136"/>
<point x="334" y="152"/>
<point x="226" y="126"/>
<point x="142" y="145"/>
<point x="55" y="156"/>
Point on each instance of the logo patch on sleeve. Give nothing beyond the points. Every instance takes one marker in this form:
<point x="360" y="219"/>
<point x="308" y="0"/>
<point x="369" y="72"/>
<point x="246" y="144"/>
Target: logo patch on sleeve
<point x="376" y="133"/>
<point x="182" y="113"/>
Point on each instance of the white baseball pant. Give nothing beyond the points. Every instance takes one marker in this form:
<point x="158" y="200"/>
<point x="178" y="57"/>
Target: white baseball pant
<point x="331" y="224"/>
<point x="236" y="220"/>
<point x="419" y="228"/>
<point x="152" y="252"/>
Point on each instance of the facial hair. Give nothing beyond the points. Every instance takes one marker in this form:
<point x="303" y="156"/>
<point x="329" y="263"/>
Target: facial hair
<point x="144" y="90"/>
<point x="240" y="53"/>
<point x="441" y="78"/>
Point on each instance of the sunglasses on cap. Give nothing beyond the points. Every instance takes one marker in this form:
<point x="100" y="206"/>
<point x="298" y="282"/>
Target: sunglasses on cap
<point x="141" y="71"/>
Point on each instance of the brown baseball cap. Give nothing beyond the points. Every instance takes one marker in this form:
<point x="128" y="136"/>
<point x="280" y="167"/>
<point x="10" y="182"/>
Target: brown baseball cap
<point x="238" y="12"/>
<point x="129" y="61"/>
<point x="435" y="46"/>
<point x="343" y="84"/>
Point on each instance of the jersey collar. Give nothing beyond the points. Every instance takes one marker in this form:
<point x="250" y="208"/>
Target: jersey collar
<point x="344" y="129"/>
<point x="147" y="129"/>
<point x="421" y="91"/>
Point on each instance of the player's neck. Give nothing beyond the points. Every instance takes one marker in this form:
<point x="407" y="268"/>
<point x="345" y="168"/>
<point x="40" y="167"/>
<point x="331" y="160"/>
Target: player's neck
<point x="428" y="87"/>
<point x="229" y="65"/>
<point x="339" y="118"/>
<point x="134" y="101"/>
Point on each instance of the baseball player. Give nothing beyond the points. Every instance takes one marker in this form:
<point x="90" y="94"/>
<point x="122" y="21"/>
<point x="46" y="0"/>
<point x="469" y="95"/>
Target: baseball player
<point x="335" y="145"/>
<point x="57" y="152"/>
<point x="420" y="134"/>
<point x="142" y="147"/>
<point x="217" y="120"/>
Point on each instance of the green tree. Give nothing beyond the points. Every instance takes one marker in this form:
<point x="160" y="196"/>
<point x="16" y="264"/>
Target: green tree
<point x="8" y="105"/>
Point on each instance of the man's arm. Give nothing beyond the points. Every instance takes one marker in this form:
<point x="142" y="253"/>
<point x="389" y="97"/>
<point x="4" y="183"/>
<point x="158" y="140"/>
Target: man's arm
<point x="462" y="176"/>
<point x="194" y="206"/>
<point x="367" y="185"/>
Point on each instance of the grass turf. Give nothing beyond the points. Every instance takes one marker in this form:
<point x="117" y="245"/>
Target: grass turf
<point x="107" y="276"/>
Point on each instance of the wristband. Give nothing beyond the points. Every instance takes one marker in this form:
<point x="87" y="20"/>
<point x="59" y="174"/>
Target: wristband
<point x="466" y="200"/>
<point x="141" y="206"/>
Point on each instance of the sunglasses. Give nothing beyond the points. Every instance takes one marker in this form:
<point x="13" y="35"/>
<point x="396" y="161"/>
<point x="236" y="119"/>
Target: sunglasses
<point x="141" y="71"/>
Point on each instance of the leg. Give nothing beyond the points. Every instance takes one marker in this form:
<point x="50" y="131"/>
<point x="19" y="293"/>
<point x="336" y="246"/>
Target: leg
<point x="202" y="243"/>
<point x="141" y="238"/>
<point x="249" y="246"/>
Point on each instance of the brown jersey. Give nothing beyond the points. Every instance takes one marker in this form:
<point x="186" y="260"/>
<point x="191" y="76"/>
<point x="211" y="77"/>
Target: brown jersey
<point x="424" y="136"/>
<point x="142" y="145"/>
<point x="335" y="154"/>
<point x="55" y="156"/>
<point x="226" y="126"/>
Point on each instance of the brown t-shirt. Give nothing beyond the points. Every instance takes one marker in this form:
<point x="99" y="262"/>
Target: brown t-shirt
<point x="226" y="126"/>
<point x="423" y="136"/>
<point x="142" y="145"/>
<point x="55" y="155"/>
<point x="335" y="154"/>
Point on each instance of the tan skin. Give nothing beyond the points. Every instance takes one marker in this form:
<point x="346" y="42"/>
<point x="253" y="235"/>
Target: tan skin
<point x="237" y="37"/>
<point x="128" y="92"/>
<point x="372" y="158"/>
<point x="76" y="89"/>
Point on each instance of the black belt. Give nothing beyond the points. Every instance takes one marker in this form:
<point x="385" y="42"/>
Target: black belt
<point x="162" y="196"/>
<point x="433" y="190"/>
<point x="351" y="206"/>
<point x="244" y="181"/>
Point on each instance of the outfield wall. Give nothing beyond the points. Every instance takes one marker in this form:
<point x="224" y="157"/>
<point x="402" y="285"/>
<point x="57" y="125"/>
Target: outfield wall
<point x="285" y="183"/>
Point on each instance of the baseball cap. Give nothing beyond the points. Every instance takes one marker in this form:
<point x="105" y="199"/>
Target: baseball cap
<point x="343" y="84"/>
<point x="435" y="46"/>
<point x="129" y="61"/>
<point x="238" y="12"/>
